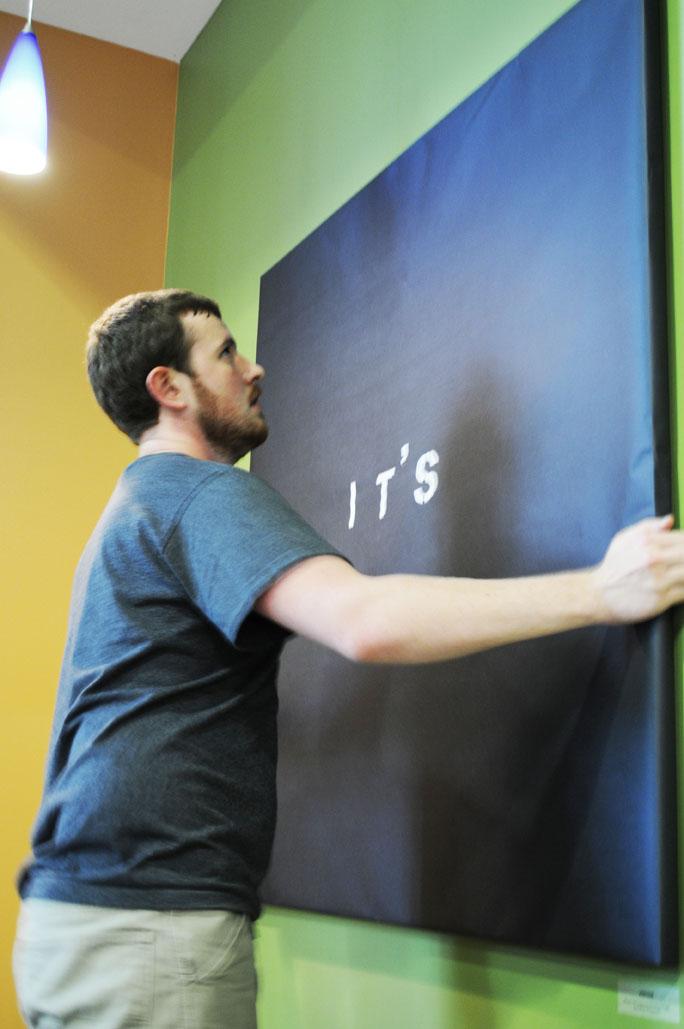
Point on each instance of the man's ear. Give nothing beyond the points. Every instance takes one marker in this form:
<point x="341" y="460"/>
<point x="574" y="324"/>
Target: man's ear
<point x="164" y="385"/>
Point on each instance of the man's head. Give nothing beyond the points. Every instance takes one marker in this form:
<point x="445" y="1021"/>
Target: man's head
<point x="168" y="350"/>
<point x="222" y="394"/>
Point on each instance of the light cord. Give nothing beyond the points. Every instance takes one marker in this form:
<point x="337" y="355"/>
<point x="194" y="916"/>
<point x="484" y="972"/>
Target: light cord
<point x="27" y="27"/>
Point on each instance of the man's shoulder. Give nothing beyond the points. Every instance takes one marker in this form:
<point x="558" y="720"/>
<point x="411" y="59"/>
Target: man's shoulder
<point x="168" y="481"/>
<point x="151" y="495"/>
<point x="172" y="489"/>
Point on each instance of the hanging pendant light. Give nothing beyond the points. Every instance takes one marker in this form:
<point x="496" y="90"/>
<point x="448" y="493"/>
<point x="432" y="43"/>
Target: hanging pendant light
<point x="23" y="107"/>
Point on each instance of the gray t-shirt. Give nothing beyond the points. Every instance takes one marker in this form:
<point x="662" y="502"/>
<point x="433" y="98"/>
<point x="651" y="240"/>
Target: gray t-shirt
<point x="160" y="783"/>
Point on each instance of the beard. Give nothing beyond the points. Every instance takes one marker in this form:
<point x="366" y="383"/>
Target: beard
<point x="231" y="439"/>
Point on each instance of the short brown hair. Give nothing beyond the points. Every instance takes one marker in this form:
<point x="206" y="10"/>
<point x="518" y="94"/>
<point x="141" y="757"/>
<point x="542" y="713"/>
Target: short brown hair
<point x="130" y="338"/>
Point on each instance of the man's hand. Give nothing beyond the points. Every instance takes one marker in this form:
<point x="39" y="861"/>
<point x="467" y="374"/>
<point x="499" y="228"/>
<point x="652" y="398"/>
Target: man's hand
<point x="642" y="573"/>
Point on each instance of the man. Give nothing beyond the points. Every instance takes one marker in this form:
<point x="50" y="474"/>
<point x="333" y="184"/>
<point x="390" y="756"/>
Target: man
<point x="157" y="819"/>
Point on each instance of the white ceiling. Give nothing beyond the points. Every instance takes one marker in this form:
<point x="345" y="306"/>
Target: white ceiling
<point x="165" y="28"/>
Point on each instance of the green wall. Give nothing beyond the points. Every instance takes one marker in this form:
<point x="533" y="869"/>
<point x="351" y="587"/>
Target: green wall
<point x="287" y="108"/>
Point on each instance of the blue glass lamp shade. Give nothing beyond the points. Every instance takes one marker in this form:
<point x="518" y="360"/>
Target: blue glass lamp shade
<point x="23" y="109"/>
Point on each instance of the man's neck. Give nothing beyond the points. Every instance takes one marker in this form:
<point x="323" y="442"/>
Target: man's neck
<point x="158" y="441"/>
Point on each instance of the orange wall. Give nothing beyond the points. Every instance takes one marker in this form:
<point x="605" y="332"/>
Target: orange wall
<point x="88" y="230"/>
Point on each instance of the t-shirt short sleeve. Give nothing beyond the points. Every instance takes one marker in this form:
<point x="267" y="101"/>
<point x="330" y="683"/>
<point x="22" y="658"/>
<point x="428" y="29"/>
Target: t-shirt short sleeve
<point x="232" y="540"/>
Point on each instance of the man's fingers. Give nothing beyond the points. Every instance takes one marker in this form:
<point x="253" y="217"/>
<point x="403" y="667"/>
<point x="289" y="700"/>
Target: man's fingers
<point x="669" y="549"/>
<point x="673" y="576"/>
<point x="662" y="524"/>
<point x="674" y="595"/>
<point x="667" y="542"/>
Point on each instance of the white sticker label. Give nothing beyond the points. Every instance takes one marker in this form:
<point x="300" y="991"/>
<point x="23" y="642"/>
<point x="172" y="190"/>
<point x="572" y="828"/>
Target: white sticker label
<point x="648" y="1000"/>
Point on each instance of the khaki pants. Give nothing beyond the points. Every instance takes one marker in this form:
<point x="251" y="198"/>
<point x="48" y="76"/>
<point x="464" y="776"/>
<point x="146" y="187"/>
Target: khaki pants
<point x="110" y="968"/>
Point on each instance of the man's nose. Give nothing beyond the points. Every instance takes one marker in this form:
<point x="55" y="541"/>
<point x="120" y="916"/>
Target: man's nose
<point x="253" y="372"/>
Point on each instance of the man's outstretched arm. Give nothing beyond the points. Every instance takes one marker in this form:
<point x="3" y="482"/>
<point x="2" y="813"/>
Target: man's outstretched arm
<point x="410" y="619"/>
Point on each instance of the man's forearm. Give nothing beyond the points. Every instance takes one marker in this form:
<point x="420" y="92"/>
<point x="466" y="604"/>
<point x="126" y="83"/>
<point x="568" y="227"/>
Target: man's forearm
<point x="412" y="619"/>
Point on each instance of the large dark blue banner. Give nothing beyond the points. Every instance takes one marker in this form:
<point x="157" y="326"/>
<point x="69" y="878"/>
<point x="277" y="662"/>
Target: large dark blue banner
<point x="466" y="375"/>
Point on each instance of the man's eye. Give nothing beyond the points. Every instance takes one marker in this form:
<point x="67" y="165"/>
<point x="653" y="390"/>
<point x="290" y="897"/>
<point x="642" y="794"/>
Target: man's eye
<point x="229" y="350"/>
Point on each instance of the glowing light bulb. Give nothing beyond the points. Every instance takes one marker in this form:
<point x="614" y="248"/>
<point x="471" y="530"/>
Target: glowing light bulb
<point x="23" y="109"/>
